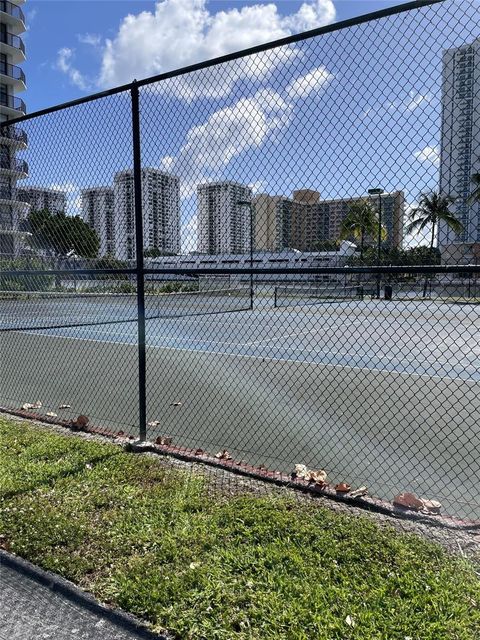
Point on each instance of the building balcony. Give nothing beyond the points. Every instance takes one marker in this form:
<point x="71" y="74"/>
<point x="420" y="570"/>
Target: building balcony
<point x="12" y="106"/>
<point x="12" y="75"/>
<point x="12" y="15"/>
<point x="12" y="46"/>
<point x="14" y="137"/>
<point x="12" y="198"/>
<point x="12" y="165"/>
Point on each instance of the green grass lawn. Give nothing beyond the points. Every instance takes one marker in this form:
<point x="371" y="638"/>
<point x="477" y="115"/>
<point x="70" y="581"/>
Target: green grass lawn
<point x="152" y="540"/>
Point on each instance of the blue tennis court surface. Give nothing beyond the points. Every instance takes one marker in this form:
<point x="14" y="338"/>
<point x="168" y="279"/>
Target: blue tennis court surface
<point x="410" y="338"/>
<point x="378" y="393"/>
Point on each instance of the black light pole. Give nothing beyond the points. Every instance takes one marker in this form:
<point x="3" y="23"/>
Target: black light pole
<point x="247" y="203"/>
<point x="378" y="192"/>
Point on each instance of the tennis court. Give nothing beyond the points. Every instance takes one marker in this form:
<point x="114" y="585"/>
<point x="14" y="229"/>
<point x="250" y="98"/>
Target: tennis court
<point x="382" y="393"/>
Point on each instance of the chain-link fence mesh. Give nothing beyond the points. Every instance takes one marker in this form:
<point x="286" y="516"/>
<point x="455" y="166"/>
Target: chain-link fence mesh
<point x="290" y="200"/>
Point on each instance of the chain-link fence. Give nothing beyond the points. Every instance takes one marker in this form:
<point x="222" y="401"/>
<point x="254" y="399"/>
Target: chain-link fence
<point x="273" y="255"/>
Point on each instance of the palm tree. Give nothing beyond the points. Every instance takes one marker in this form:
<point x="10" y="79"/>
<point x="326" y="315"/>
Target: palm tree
<point x="360" y="221"/>
<point x="433" y="208"/>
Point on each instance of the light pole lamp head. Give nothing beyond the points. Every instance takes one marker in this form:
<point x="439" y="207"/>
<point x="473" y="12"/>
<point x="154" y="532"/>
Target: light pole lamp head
<point x="376" y="192"/>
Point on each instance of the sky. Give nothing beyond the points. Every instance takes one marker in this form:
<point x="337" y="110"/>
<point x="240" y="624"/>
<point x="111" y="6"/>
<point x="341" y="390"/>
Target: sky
<point x="340" y="113"/>
<point x="69" y="55"/>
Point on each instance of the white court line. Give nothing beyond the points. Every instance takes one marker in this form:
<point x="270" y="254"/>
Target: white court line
<point x="292" y="335"/>
<point x="267" y="358"/>
<point x="431" y="358"/>
<point x="400" y="359"/>
<point x="312" y="332"/>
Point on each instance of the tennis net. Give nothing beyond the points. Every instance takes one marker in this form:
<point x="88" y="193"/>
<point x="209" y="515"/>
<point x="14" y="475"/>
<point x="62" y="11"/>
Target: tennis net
<point x="25" y="310"/>
<point x="307" y="294"/>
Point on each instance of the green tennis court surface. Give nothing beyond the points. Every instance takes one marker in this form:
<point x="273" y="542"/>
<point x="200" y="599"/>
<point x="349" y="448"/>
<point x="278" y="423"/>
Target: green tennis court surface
<point x="379" y="393"/>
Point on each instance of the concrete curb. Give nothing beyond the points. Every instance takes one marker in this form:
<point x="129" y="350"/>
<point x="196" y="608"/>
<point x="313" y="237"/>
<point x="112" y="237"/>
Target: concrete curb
<point x="368" y="503"/>
<point x="57" y="584"/>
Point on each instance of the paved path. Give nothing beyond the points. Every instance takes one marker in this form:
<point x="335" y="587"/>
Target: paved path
<point x="30" y="610"/>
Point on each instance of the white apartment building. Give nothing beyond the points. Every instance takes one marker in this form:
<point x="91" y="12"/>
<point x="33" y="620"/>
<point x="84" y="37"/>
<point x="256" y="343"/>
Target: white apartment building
<point x="223" y="224"/>
<point x="44" y="199"/>
<point x="98" y="212"/>
<point x="161" y="212"/>
<point x="460" y="147"/>
<point x="13" y="138"/>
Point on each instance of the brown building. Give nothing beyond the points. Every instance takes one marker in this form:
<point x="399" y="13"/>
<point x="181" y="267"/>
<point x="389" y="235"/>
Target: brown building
<point x="305" y="221"/>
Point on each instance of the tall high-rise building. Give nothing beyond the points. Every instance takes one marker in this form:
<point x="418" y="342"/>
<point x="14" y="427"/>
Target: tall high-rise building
<point x="98" y="212"/>
<point x="460" y="147"/>
<point x="223" y="224"/>
<point x="305" y="221"/>
<point x="161" y="212"/>
<point x="13" y="138"/>
<point x="44" y="199"/>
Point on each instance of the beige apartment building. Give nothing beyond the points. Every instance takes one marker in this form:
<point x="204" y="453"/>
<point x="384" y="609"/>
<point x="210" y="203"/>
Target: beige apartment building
<point x="304" y="221"/>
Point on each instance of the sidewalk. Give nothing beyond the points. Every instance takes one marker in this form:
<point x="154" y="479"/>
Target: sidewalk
<point x="36" y="605"/>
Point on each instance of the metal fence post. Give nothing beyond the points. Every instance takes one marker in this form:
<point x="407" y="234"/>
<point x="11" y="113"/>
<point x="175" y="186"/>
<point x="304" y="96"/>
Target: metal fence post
<point x="251" y="255"/>
<point x="137" y="182"/>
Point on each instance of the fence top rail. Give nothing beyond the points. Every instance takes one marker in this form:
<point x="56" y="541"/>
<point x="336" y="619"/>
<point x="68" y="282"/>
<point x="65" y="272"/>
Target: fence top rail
<point x="441" y="269"/>
<point x="337" y="26"/>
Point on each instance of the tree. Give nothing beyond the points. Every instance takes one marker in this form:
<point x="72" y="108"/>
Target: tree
<point x="399" y="257"/>
<point x="325" y="245"/>
<point x="361" y="221"/>
<point x="110" y="262"/>
<point x="29" y="282"/>
<point x="59" y="234"/>
<point x="433" y="208"/>
<point x="422" y="255"/>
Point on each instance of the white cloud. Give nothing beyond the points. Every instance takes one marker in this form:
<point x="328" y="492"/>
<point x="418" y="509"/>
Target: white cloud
<point x="167" y="163"/>
<point x="428" y="154"/>
<point x="417" y="100"/>
<point x="310" y="15"/>
<point x="91" y="39"/>
<point x="226" y="133"/>
<point x="312" y="82"/>
<point x="219" y="82"/>
<point x="420" y="239"/>
<point x="31" y="15"/>
<point x="64" y="64"/>
<point x="258" y="186"/>
<point x="247" y="124"/>
<point x="182" y="32"/>
<point x="414" y="101"/>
